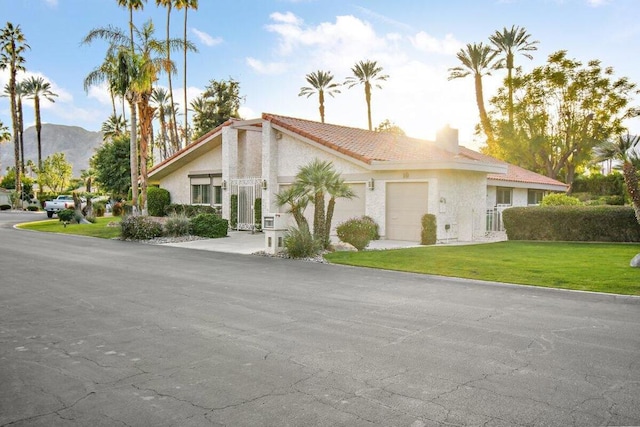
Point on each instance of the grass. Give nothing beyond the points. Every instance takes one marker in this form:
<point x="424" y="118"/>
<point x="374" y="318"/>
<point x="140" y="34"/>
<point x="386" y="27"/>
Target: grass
<point x="598" y="267"/>
<point x="99" y="229"/>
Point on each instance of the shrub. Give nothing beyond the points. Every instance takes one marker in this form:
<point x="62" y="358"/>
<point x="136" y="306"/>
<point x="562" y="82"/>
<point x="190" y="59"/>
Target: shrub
<point x="139" y="228"/>
<point x="376" y="235"/>
<point x="177" y="225"/>
<point x="209" y="225"/>
<point x="32" y="208"/>
<point x="559" y="199"/>
<point x="66" y="215"/>
<point x="99" y="209"/>
<point x="5" y="207"/>
<point x="429" y="230"/>
<point x="189" y="210"/>
<point x="299" y="243"/>
<point x="90" y="218"/>
<point x="358" y="232"/>
<point x="257" y="213"/>
<point x="234" y="211"/>
<point x="157" y="200"/>
<point x="117" y="209"/>
<point x="572" y="223"/>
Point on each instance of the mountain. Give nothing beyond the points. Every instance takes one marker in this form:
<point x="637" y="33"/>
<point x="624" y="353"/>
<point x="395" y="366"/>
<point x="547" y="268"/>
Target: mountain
<point x="77" y="144"/>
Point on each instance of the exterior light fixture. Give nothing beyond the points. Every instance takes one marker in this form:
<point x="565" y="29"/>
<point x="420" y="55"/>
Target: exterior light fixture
<point x="264" y="184"/>
<point x="371" y="185"/>
<point x="224" y="185"/>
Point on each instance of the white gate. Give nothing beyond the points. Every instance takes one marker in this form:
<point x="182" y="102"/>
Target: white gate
<point x="247" y="190"/>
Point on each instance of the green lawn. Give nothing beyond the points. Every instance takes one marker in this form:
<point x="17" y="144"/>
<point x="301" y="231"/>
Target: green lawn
<point x="99" y="229"/>
<point x="599" y="267"/>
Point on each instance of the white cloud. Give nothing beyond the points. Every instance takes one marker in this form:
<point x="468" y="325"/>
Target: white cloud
<point x="427" y="43"/>
<point x="266" y="68"/>
<point x="205" y="38"/>
<point x="597" y="3"/>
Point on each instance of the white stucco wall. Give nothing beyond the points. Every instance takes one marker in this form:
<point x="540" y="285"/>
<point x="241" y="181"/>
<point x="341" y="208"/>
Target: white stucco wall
<point x="520" y="197"/>
<point x="178" y="183"/>
<point x="249" y="154"/>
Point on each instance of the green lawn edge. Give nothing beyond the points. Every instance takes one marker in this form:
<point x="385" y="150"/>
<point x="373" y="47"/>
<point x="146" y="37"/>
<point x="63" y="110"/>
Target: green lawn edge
<point x="594" y="267"/>
<point x="100" y="229"/>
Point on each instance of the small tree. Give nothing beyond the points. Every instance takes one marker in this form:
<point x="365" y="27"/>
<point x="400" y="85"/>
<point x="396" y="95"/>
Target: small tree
<point x="56" y="172"/>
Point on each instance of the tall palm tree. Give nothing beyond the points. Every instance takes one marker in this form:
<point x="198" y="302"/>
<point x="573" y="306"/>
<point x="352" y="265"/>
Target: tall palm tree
<point x="477" y="59"/>
<point x="37" y="88"/>
<point x="173" y="130"/>
<point x="509" y="42"/>
<point x="162" y="103"/>
<point x="19" y="95"/>
<point x="366" y="73"/>
<point x="186" y="5"/>
<point x="321" y="82"/>
<point x="626" y="149"/>
<point x="12" y="46"/>
<point x="132" y="5"/>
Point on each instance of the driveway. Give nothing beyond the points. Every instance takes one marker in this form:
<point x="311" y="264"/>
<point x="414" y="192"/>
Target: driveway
<point x="103" y="333"/>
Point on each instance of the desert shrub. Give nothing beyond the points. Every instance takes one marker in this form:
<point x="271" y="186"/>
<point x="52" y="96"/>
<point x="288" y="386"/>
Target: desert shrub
<point x="139" y="227"/>
<point x="99" y="209"/>
<point x="429" y="230"/>
<point x="358" y="232"/>
<point x="32" y="208"/>
<point x="559" y="199"/>
<point x="177" y="225"/>
<point x="117" y="209"/>
<point x="209" y="225"/>
<point x="5" y="207"/>
<point x="234" y="211"/>
<point x="66" y="215"/>
<point x="299" y="243"/>
<point x="189" y="210"/>
<point x="257" y="213"/>
<point x="157" y="200"/>
<point x="376" y="234"/>
<point x="572" y="223"/>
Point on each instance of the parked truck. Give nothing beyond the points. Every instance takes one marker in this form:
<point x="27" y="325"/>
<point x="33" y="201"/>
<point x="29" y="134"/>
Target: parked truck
<point x="59" y="203"/>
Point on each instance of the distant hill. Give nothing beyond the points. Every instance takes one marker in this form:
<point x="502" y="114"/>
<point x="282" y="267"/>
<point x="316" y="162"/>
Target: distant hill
<point x="77" y="144"/>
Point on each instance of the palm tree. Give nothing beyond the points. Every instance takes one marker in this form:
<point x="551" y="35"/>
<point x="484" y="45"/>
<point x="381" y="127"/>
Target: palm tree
<point x="477" y="59"/>
<point x="366" y="72"/>
<point x="186" y="5"/>
<point x="627" y="150"/>
<point x="162" y="102"/>
<point x="19" y="94"/>
<point x="296" y="203"/>
<point x="509" y="42"/>
<point x="37" y="88"/>
<point x="5" y="136"/>
<point x="12" y="46"/>
<point x="113" y="127"/>
<point x="321" y="82"/>
<point x="173" y="130"/>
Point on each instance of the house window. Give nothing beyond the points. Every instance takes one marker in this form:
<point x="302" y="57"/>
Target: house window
<point x="200" y="194"/>
<point x="217" y="195"/>
<point x="503" y="196"/>
<point x="535" y="197"/>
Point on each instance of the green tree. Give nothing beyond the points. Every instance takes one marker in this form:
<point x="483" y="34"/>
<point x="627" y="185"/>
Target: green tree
<point x="387" y="126"/>
<point x="161" y="100"/>
<point x="478" y="60"/>
<point x="173" y="128"/>
<point x="55" y="172"/>
<point x="561" y="111"/>
<point x="366" y="73"/>
<point x="219" y="102"/>
<point x="111" y="166"/>
<point x="186" y="5"/>
<point x="321" y="82"/>
<point x="20" y="93"/>
<point x="113" y="127"/>
<point x="37" y="88"/>
<point x="508" y="43"/>
<point x="12" y="47"/>
<point x="625" y="149"/>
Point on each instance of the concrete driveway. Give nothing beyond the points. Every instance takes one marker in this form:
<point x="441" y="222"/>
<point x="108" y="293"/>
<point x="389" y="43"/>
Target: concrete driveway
<point x="103" y="333"/>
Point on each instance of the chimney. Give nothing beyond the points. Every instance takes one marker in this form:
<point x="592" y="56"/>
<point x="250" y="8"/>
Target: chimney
<point x="447" y="138"/>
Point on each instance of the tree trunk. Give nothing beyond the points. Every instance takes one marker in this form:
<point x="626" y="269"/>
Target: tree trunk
<point x="321" y="101"/>
<point x="318" y="216"/>
<point x="484" y="117"/>
<point x="328" y="219"/>
<point x="367" y="95"/>
<point x="146" y="117"/>
<point x="186" y="114"/>
<point x="133" y="152"/>
<point x="173" y="131"/>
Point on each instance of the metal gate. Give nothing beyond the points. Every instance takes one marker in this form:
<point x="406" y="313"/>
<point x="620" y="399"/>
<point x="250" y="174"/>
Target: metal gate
<point x="247" y="190"/>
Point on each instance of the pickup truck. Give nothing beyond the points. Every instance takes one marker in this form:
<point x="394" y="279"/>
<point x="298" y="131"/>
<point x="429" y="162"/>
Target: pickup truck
<point x="58" y="204"/>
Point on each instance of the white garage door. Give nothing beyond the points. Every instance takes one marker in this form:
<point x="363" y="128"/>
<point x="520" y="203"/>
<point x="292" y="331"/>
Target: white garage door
<point x="346" y="209"/>
<point x="406" y="204"/>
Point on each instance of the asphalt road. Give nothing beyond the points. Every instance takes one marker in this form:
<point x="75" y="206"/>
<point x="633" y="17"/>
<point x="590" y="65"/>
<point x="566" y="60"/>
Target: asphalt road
<point x="110" y="333"/>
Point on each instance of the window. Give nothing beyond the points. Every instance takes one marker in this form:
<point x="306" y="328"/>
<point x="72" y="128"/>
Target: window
<point x="200" y="194"/>
<point x="503" y="196"/>
<point x="535" y="197"/>
<point x="217" y="195"/>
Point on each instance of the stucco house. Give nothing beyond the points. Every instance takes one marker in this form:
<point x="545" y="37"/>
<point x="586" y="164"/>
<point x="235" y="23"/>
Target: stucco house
<point x="396" y="179"/>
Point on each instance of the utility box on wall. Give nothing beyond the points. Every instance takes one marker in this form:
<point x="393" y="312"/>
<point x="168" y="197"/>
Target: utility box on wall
<point x="274" y="227"/>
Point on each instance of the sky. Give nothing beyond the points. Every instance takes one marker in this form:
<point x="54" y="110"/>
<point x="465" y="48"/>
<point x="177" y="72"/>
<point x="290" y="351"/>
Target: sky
<point x="270" y="45"/>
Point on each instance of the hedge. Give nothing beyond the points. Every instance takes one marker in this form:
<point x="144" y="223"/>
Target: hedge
<point x="189" y="210"/>
<point x="209" y="225"/>
<point x="157" y="201"/>
<point x="572" y="223"/>
<point x="429" y="230"/>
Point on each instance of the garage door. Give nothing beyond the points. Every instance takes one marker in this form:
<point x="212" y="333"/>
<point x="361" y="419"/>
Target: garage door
<point x="406" y="204"/>
<point x="346" y="209"/>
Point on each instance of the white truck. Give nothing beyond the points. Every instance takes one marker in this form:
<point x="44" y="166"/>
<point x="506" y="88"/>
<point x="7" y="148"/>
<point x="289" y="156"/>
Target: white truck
<point x="59" y="203"/>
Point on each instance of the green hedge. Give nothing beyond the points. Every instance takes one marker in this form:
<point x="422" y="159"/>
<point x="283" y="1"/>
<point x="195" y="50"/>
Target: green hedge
<point x="189" y="210"/>
<point x="429" y="230"/>
<point x="572" y="223"/>
<point x="157" y="201"/>
<point x="358" y="232"/>
<point x="209" y="225"/>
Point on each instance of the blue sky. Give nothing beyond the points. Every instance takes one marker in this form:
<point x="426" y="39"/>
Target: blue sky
<point x="269" y="46"/>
